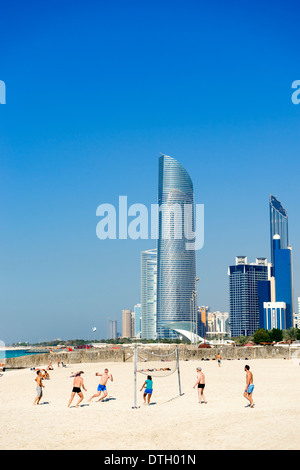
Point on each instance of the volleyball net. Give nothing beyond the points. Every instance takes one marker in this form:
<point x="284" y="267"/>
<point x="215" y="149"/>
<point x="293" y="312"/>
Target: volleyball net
<point x="156" y="365"/>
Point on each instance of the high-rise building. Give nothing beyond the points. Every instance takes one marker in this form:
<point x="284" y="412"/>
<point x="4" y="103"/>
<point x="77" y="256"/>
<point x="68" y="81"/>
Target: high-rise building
<point x="278" y="290"/>
<point x="281" y="256"/>
<point x="176" y="265"/>
<point x="297" y="316"/>
<point x="278" y="224"/>
<point x="127" y="324"/>
<point x="283" y="278"/>
<point x="203" y="312"/>
<point x="137" y="320"/>
<point x="148" y="294"/>
<point x="111" y="329"/>
<point x="243" y="295"/>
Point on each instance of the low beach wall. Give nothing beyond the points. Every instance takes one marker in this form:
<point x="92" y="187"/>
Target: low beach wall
<point x="125" y="354"/>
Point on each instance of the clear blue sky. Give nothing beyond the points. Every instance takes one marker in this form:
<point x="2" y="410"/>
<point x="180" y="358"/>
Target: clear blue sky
<point x="95" y="91"/>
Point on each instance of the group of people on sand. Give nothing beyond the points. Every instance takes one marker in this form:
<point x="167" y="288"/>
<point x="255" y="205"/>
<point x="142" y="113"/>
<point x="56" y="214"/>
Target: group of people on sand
<point x="101" y="393"/>
<point x="101" y="390"/>
<point x="200" y="384"/>
<point x="78" y="385"/>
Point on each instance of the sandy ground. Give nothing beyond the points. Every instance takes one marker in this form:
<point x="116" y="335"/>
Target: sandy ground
<point x="169" y="423"/>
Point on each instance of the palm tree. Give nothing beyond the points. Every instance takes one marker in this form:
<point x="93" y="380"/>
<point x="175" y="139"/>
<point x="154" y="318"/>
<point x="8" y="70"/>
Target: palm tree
<point x="291" y="334"/>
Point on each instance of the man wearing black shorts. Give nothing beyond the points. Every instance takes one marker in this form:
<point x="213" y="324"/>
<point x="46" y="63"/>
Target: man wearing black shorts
<point x="200" y="384"/>
<point x="77" y="384"/>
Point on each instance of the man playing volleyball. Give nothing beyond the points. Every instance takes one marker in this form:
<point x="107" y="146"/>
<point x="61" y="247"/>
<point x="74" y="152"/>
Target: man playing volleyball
<point x="102" y="385"/>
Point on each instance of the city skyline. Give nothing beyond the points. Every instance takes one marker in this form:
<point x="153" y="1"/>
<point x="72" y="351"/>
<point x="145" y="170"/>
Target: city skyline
<point x="89" y="108"/>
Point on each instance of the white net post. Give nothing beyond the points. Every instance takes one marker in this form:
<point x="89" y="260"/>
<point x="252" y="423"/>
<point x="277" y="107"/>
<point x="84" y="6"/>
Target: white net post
<point x="178" y="371"/>
<point x="135" y="370"/>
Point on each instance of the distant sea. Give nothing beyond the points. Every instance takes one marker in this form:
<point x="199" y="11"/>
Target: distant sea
<point x="7" y="353"/>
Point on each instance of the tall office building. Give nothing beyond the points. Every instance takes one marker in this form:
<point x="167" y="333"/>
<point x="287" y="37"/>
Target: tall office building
<point x="278" y="224"/>
<point x="276" y="295"/>
<point x="111" y="329"/>
<point x="176" y="265"/>
<point x="203" y="312"/>
<point x="148" y="294"/>
<point x="297" y="316"/>
<point x="127" y="324"/>
<point x="243" y="295"/>
<point x="283" y="278"/>
<point x="137" y="320"/>
<point x="281" y="255"/>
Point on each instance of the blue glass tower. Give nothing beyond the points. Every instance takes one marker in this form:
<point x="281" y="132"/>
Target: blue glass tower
<point x="176" y="265"/>
<point x="137" y="320"/>
<point x="278" y="225"/>
<point x="281" y="255"/>
<point x="283" y="281"/>
<point x="245" y="280"/>
<point x="264" y="295"/>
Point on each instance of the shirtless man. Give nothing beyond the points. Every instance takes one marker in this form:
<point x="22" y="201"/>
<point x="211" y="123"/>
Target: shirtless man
<point x="39" y="387"/>
<point x="102" y="385"/>
<point x="249" y="386"/>
<point x="77" y="384"/>
<point x="200" y="382"/>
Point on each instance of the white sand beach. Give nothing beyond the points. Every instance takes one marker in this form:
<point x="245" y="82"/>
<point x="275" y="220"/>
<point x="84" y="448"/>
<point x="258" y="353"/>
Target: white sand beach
<point x="169" y="423"/>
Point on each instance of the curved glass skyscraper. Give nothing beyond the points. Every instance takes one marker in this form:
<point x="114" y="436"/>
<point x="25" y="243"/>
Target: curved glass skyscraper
<point x="176" y="265"/>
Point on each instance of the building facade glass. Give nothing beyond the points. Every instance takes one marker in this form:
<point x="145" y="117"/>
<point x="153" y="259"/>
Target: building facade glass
<point x="281" y="254"/>
<point x="278" y="224"/>
<point x="148" y="294"/>
<point x="112" y="329"/>
<point x="176" y="265"/>
<point x="283" y="281"/>
<point x="137" y="320"/>
<point x="243" y="295"/>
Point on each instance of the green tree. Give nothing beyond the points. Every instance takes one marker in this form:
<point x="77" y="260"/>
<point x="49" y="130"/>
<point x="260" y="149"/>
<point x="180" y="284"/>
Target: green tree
<point x="275" y="334"/>
<point x="241" y="340"/>
<point x="291" y="334"/>
<point x="261" y="336"/>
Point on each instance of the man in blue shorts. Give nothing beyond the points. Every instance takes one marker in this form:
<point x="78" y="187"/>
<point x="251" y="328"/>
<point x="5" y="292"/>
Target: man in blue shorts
<point x="102" y="385"/>
<point x="249" y="386"/>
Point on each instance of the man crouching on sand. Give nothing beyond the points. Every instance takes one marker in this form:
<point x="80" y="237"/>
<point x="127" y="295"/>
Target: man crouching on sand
<point x="102" y="385"/>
